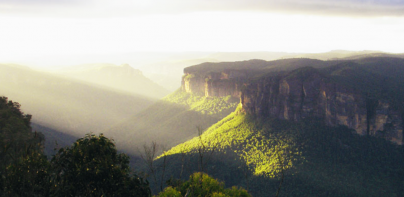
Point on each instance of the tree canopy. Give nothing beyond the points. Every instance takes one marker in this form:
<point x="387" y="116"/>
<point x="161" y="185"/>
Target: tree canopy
<point x="93" y="167"/>
<point x="17" y="141"/>
<point x="90" y="167"/>
<point x="201" y="184"/>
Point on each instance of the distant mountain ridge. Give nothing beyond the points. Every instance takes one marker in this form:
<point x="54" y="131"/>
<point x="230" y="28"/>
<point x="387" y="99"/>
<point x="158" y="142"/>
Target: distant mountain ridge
<point x="123" y="77"/>
<point x="168" y="71"/>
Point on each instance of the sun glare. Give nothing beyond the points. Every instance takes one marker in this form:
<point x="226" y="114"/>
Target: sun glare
<point x="203" y="31"/>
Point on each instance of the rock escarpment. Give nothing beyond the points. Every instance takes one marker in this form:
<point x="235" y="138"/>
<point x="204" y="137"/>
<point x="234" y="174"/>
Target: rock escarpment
<point x="296" y="98"/>
<point x="228" y="82"/>
<point x="300" y="94"/>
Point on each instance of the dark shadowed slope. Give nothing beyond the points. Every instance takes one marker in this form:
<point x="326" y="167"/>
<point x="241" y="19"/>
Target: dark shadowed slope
<point x="54" y="139"/>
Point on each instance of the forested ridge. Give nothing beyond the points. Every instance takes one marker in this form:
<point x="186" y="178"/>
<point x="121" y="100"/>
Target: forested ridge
<point x="307" y="158"/>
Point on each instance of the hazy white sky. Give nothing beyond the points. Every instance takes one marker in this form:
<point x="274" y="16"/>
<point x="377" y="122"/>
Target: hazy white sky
<point x="30" y="28"/>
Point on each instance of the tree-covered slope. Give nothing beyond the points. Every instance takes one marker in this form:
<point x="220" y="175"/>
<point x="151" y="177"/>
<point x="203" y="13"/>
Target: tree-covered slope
<point x="171" y="121"/>
<point x="255" y="150"/>
<point x="16" y="136"/>
<point x="378" y="79"/>
<point x="316" y="160"/>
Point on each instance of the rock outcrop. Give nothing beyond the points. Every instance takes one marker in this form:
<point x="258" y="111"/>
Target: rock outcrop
<point x="300" y="94"/>
<point x="221" y="84"/>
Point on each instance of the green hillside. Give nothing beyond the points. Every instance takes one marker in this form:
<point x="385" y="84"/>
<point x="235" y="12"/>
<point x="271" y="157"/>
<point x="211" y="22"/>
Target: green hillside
<point x="317" y="160"/>
<point x="171" y="121"/>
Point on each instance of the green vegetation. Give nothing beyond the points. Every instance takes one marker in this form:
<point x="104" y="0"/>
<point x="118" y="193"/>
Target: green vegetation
<point x="90" y="167"/>
<point x="189" y="77"/>
<point x="254" y="68"/>
<point x="369" y="81"/>
<point x="17" y="141"/>
<point x="28" y="176"/>
<point x="239" y="135"/>
<point x="375" y="77"/>
<point x="172" y="120"/>
<point x="215" y="106"/>
<point x="265" y="156"/>
<point x="201" y="184"/>
<point x="316" y="160"/>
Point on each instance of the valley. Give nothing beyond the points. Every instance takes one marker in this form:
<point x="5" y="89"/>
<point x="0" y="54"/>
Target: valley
<point x="299" y="126"/>
<point x="67" y="106"/>
<point x="245" y="98"/>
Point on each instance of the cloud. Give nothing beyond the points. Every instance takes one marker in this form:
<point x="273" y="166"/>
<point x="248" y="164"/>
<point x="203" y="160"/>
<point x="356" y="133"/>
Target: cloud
<point x="361" y="8"/>
<point x="340" y="7"/>
<point x="315" y="7"/>
<point x="38" y="2"/>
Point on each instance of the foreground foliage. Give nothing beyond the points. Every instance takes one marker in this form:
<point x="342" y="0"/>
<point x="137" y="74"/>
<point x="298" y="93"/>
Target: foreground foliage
<point x="90" y="167"/>
<point x="18" y="144"/>
<point x="30" y="176"/>
<point x="201" y="184"/>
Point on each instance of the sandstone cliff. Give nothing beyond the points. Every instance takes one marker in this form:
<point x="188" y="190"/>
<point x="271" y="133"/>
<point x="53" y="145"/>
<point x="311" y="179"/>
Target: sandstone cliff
<point x="220" y="84"/>
<point x="302" y="93"/>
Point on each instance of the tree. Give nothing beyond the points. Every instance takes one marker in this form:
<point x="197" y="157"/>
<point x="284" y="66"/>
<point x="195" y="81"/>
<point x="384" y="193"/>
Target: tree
<point x="247" y="169"/>
<point x="92" y="167"/>
<point x="281" y="163"/>
<point x="148" y="156"/>
<point x="18" y="147"/>
<point x="201" y="184"/>
<point x="204" y="153"/>
<point x="29" y="176"/>
<point x="15" y="133"/>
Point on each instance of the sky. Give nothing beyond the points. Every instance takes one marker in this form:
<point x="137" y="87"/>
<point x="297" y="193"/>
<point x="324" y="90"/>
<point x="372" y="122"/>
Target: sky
<point x="40" y="28"/>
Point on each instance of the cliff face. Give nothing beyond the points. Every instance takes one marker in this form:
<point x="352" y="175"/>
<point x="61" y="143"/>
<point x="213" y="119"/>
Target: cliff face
<point x="301" y="94"/>
<point x="221" y="84"/>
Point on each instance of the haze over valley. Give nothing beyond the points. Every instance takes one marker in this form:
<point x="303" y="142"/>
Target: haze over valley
<point x="201" y="98"/>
